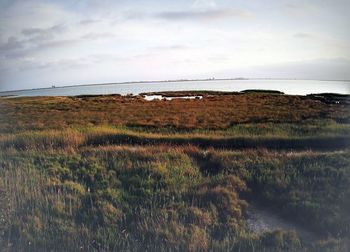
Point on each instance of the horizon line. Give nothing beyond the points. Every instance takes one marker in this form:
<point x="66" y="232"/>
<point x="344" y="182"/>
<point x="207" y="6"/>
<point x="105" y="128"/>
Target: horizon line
<point x="161" y="81"/>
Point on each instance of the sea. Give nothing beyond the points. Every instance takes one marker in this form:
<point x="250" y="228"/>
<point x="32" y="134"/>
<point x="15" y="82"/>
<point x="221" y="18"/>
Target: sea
<point x="291" y="87"/>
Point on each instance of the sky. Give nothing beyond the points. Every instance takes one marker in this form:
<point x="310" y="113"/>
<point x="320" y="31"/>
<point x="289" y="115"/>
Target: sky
<point x="68" y="42"/>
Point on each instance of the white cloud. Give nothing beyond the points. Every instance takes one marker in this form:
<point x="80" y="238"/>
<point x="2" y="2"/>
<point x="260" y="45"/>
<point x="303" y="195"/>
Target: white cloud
<point x="207" y="15"/>
<point x="204" y="4"/>
<point x="304" y="35"/>
<point x="74" y="41"/>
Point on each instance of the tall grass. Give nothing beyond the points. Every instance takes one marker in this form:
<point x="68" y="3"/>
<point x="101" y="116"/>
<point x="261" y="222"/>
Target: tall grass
<point x="171" y="199"/>
<point x="118" y="173"/>
<point x="42" y="140"/>
<point x="71" y="139"/>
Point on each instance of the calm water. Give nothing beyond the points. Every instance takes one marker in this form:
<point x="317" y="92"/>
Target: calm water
<point x="297" y="87"/>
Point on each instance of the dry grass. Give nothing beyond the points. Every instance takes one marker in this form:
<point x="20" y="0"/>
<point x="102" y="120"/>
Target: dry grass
<point x="43" y="140"/>
<point x="70" y="139"/>
<point x="113" y="173"/>
<point x="211" y="112"/>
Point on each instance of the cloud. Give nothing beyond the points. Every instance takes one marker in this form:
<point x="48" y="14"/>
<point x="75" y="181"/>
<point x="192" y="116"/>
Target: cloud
<point x="304" y="35"/>
<point x="36" y="40"/>
<point x="89" y="21"/>
<point x="202" y="15"/>
<point x="317" y="69"/>
<point x="301" y="8"/>
<point x="32" y="40"/>
<point x="171" y="47"/>
<point x="219" y="58"/>
<point x="21" y="49"/>
<point x="195" y="14"/>
<point x="204" y="4"/>
<point x="97" y="35"/>
<point x="12" y="44"/>
<point x="200" y="36"/>
<point x="44" y="32"/>
<point x="16" y="49"/>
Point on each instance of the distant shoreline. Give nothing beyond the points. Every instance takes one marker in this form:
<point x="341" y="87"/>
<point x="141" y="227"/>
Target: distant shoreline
<point x="160" y="81"/>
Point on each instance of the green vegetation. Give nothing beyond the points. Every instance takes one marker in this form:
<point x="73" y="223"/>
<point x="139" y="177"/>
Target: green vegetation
<point x="126" y="198"/>
<point x="244" y="136"/>
<point x="125" y="184"/>
<point x="262" y="91"/>
<point x="331" y="98"/>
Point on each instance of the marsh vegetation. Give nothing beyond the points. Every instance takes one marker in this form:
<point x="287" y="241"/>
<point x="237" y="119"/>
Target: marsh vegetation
<point x="115" y="173"/>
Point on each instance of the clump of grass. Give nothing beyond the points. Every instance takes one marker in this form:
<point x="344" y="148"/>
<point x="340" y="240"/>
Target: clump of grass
<point x="43" y="140"/>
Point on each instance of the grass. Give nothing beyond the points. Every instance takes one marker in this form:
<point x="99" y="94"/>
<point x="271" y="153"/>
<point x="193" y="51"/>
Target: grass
<point x="334" y="137"/>
<point x="116" y="173"/>
<point x="211" y="112"/>
<point x="182" y="198"/>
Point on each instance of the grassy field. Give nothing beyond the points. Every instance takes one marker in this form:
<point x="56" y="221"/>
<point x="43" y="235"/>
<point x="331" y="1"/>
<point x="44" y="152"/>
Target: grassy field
<point x="114" y="173"/>
<point x="211" y="112"/>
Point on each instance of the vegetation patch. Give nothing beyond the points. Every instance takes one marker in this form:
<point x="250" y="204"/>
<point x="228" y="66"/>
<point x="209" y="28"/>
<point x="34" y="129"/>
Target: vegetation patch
<point x="115" y="173"/>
